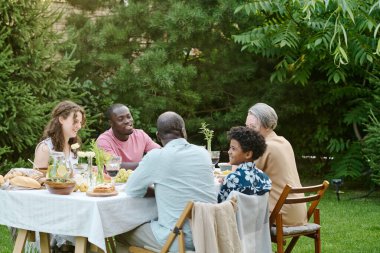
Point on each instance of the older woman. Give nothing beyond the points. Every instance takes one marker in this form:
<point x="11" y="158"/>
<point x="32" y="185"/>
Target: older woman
<point x="278" y="162"/>
<point x="67" y="118"/>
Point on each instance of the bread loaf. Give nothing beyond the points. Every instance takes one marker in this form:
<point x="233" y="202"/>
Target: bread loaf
<point x="104" y="188"/>
<point x="26" y="182"/>
<point x="35" y="174"/>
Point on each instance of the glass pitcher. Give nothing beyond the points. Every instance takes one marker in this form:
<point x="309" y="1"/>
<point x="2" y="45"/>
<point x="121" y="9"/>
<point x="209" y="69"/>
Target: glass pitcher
<point x="58" y="166"/>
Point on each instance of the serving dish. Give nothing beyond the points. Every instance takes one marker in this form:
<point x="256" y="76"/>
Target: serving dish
<point x="61" y="186"/>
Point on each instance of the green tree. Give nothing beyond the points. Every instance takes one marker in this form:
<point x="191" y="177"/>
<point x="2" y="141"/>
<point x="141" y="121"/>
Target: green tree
<point x="331" y="50"/>
<point x="169" y="55"/>
<point x="33" y="75"/>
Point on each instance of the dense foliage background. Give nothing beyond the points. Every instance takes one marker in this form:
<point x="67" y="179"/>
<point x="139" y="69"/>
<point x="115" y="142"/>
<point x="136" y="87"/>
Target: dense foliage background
<point x="33" y="76"/>
<point x="315" y="62"/>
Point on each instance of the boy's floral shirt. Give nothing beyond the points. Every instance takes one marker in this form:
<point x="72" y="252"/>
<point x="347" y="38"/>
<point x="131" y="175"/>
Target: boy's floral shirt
<point x="246" y="179"/>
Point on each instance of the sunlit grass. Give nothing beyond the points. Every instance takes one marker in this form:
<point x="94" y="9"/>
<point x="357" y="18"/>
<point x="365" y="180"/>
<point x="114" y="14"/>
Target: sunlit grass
<point x="5" y="240"/>
<point x="350" y="225"/>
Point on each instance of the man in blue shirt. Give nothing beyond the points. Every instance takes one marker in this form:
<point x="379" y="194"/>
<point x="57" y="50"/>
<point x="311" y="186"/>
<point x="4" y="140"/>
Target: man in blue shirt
<point x="179" y="172"/>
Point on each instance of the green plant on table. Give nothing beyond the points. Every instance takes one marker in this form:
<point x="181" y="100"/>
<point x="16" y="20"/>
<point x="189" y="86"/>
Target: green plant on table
<point x="208" y="134"/>
<point x="101" y="158"/>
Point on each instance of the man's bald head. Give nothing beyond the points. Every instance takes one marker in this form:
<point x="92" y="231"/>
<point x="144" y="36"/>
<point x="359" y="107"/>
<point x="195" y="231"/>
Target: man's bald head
<point x="171" y="125"/>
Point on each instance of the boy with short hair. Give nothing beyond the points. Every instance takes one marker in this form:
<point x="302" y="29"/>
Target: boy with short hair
<point x="246" y="145"/>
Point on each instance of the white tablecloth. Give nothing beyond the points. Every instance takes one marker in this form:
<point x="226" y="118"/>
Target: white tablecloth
<point x="77" y="214"/>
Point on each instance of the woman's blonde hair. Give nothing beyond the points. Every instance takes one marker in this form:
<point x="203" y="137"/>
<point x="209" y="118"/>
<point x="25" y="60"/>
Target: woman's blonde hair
<point x="54" y="128"/>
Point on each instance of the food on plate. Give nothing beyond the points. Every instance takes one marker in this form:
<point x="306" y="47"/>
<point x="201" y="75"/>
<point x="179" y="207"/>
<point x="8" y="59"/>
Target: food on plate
<point x="104" y="188"/>
<point x="2" y="181"/>
<point x="123" y="175"/>
<point x="26" y="182"/>
<point x="42" y="180"/>
<point x="226" y="172"/>
<point x="35" y="174"/>
<point x="11" y="174"/>
<point x="83" y="187"/>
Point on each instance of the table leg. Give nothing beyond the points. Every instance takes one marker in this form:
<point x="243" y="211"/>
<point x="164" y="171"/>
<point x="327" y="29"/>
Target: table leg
<point x="44" y="243"/>
<point x="31" y="236"/>
<point x="80" y="244"/>
<point x="20" y="241"/>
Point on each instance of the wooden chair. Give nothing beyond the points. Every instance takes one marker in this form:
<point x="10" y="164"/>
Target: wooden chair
<point x="177" y="231"/>
<point x="279" y="233"/>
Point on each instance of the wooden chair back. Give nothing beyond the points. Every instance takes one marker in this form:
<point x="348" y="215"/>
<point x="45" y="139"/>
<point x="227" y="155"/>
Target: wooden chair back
<point x="313" y="199"/>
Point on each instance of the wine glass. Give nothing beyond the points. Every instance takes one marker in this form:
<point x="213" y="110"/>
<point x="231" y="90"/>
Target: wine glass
<point x="113" y="166"/>
<point x="215" y="155"/>
<point x="82" y="166"/>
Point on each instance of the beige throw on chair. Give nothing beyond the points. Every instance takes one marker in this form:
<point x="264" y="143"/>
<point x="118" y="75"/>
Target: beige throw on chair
<point x="214" y="228"/>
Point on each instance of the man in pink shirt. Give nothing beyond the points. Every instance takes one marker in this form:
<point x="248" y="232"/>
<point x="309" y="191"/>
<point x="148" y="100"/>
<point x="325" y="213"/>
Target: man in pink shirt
<point x="123" y="140"/>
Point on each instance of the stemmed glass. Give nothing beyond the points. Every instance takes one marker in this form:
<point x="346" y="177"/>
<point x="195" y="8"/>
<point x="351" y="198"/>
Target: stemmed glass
<point x="82" y="165"/>
<point x="215" y="155"/>
<point x="113" y="166"/>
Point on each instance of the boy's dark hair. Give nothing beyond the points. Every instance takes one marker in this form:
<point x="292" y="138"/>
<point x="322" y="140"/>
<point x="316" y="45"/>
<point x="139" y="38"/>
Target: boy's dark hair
<point x="249" y="140"/>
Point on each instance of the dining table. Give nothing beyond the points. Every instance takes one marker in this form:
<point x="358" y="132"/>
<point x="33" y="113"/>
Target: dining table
<point x="86" y="218"/>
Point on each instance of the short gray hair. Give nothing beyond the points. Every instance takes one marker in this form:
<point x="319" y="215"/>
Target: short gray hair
<point x="265" y="114"/>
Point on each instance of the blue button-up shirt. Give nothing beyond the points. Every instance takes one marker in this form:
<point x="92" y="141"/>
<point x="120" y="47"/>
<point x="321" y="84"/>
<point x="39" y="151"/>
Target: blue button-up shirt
<point x="180" y="172"/>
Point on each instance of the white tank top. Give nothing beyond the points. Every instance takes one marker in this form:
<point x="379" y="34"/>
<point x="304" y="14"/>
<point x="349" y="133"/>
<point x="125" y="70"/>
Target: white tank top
<point x="70" y="161"/>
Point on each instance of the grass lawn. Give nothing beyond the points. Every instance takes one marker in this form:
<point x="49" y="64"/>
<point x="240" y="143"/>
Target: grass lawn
<point x="5" y="240"/>
<point x="351" y="225"/>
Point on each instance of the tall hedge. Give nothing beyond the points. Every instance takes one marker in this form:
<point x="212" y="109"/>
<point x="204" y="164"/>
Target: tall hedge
<point x="33" y="75"/>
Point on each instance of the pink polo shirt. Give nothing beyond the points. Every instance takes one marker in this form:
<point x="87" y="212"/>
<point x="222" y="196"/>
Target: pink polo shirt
<point x="131" y="150"/>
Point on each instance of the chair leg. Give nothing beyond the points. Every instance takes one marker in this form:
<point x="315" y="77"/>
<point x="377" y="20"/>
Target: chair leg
<point x="279" y="234"/>
<point x="292" y="244"/>
<point x="317" y="242"/>
<point x="181" y="243"/>
<point x="31" y="236"/>
<point x="317" y="237"/>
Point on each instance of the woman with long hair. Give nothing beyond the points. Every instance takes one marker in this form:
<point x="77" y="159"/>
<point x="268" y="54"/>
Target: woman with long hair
<point x="60" y="133"/>
<point x="67" y="118"/>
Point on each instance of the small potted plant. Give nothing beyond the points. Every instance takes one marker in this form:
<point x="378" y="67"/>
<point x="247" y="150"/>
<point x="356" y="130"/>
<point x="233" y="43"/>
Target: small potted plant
<point x="209" y="134"/>
<point x="101" y="158"/>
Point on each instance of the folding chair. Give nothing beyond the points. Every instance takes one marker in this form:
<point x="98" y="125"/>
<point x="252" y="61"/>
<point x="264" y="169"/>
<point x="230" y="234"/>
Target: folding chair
<point x="177" y="231"/>
<point x="279" y="233"/>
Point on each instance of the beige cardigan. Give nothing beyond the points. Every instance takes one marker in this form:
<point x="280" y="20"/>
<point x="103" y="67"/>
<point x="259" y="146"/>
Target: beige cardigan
<point x="279" y="164"/>
<point x="214" y="228"/>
